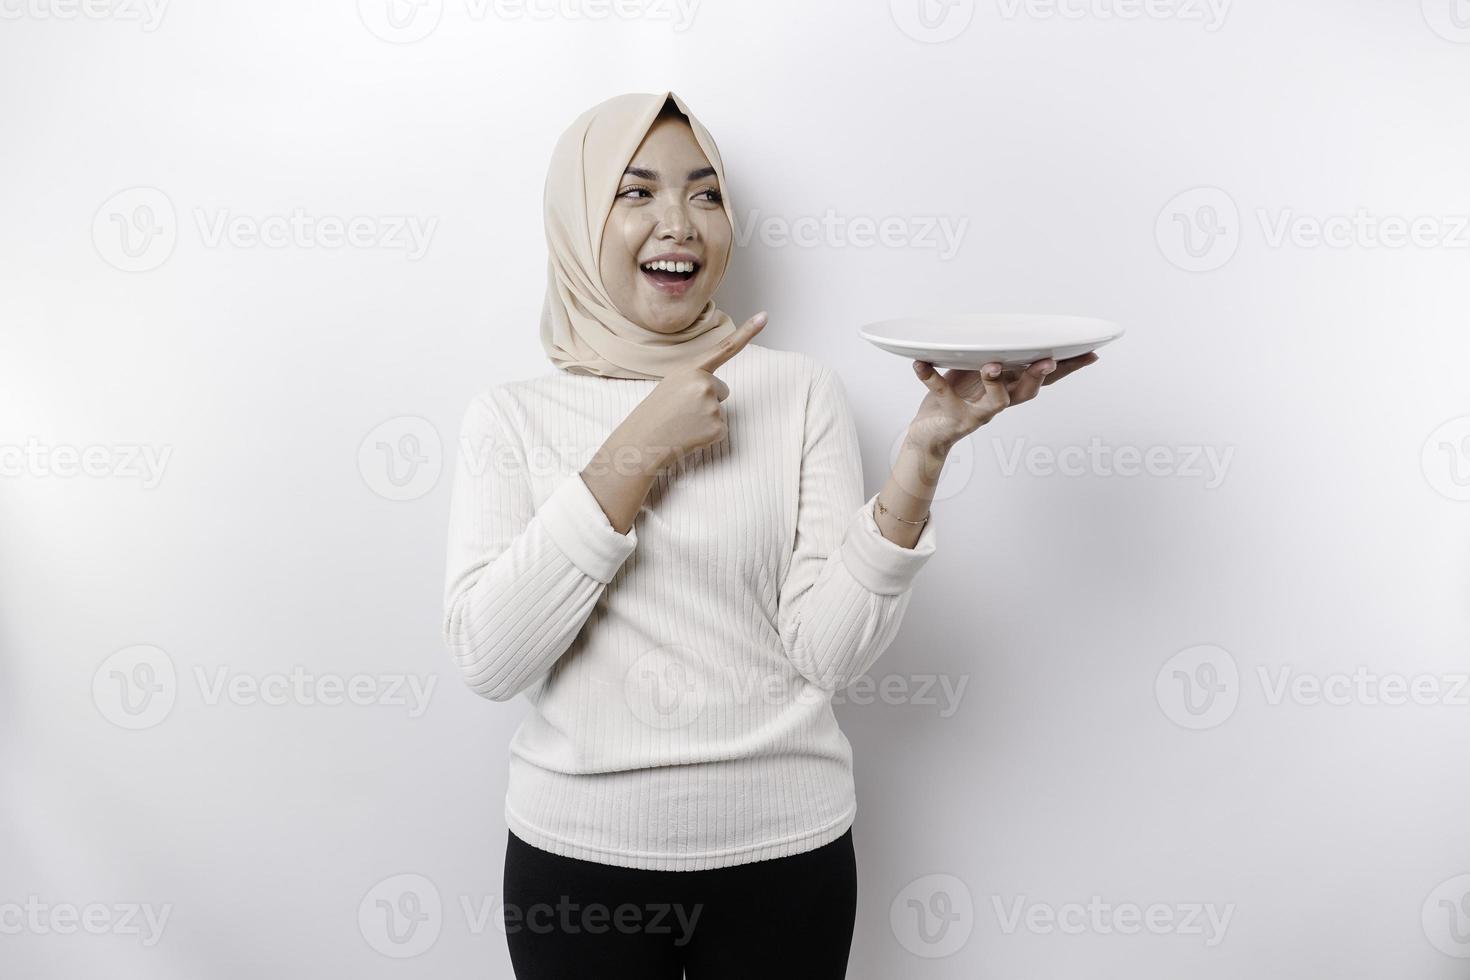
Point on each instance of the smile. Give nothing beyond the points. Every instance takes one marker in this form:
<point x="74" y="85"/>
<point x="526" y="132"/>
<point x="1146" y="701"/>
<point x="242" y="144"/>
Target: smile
<point x="671" y="275"/>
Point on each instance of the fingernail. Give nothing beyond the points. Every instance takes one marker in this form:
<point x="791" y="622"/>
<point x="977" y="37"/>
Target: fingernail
<point x="759" y="317"/>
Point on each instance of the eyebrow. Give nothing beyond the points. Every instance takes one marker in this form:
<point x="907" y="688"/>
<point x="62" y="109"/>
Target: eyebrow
<point x="653" y="174"/>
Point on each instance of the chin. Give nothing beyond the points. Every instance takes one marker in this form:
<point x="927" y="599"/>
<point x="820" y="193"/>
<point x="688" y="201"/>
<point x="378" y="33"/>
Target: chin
<point x="672" y="319"/>
<point x="671" y="324"/>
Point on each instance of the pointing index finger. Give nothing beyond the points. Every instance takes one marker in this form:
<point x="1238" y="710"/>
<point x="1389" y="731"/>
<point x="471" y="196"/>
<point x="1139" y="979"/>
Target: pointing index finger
<point x="734" y="343"/>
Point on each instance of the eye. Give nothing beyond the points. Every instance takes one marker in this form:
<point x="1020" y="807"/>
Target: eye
<point x="714" y="196"/>
<point x="630" y="190"/>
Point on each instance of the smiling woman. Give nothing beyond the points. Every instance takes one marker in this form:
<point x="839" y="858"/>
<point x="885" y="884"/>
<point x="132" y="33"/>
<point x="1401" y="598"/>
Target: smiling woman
<point x="667" y="240"/>
<point x="681" y="609"/>
<point x="634" y="180"/>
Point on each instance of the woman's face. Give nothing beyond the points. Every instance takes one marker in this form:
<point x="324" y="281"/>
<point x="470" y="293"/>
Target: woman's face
<point x="668" y="204"/>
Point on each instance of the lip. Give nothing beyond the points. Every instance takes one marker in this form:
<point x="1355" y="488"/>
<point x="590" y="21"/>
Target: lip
<point x="672" y="288"/>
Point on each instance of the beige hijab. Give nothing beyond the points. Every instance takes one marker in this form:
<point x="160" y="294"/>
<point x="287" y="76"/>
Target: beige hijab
<point x="581" y="329"/>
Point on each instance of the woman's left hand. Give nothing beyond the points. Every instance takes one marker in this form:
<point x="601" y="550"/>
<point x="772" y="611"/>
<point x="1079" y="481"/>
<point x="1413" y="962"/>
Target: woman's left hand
<point x="960" y="401"/>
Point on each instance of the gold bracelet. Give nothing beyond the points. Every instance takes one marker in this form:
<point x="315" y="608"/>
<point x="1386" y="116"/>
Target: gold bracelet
<point x="885" y="510"/>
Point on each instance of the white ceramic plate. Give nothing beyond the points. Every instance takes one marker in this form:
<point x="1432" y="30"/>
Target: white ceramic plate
<point x="972" y="340"/>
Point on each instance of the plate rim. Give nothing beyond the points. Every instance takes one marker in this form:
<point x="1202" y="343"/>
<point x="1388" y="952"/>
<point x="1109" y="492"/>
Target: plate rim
<point x="1114" y="331"/>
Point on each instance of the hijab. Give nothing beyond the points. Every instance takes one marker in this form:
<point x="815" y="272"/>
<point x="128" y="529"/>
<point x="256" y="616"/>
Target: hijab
<point x="581" y="329"/>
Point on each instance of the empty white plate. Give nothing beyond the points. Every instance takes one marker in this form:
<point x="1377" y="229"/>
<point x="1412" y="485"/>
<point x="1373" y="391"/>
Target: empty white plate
<point x="973" y="340"/>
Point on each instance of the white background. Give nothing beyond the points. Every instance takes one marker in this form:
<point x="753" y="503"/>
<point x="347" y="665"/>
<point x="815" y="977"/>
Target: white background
<point x="1082" y="761"/>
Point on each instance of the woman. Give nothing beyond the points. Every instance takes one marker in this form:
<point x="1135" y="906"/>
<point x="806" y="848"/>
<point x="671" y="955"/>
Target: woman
<point x="679" y="570"/>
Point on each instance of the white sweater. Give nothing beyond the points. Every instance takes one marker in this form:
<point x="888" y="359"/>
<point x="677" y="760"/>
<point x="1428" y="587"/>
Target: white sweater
<point x="680" y="676"/>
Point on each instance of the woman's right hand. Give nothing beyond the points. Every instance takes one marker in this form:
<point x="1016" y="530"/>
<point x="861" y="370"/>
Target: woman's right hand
<point x="682" y="414"/>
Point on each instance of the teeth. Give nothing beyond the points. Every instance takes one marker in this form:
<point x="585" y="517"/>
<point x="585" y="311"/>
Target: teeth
<point x="666" y="266"/>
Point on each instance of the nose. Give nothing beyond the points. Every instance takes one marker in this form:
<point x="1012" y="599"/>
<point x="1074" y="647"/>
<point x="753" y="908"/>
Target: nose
<point x="674" y="223"/>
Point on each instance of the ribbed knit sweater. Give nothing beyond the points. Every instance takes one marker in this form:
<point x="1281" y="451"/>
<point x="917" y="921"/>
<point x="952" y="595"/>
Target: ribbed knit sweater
<point x="680" y="676"/>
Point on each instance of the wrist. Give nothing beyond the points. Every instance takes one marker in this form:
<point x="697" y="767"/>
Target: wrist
<point x="924" y="444"/>
<point x="626" y="456"/>
<point x="881" y="509"/>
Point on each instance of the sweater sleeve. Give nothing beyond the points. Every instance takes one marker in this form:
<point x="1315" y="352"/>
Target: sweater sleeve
<point x="521" y="579"/>
<point x="847" y="586"/>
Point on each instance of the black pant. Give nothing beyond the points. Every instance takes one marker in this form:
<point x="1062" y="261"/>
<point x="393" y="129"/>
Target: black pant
<point x="784" y="917"/>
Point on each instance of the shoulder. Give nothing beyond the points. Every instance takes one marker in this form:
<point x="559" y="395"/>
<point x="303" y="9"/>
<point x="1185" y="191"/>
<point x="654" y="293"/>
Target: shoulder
<point x="810" y="388"/>
<point x="793" y="368"/>
<point x="808" y="378"/>
<point x="481" y="418"/>
<point x="507" y="402"/>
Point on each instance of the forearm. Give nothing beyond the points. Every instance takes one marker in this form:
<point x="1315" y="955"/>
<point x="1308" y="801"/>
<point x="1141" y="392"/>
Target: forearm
<point x="842" y="629"/>
<point x="620" y="474"/>
<point x="508" y="625"/>
<point x="844" y="595"/>
<point x="522" y="582"/>
<point x="910" y="489"/>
